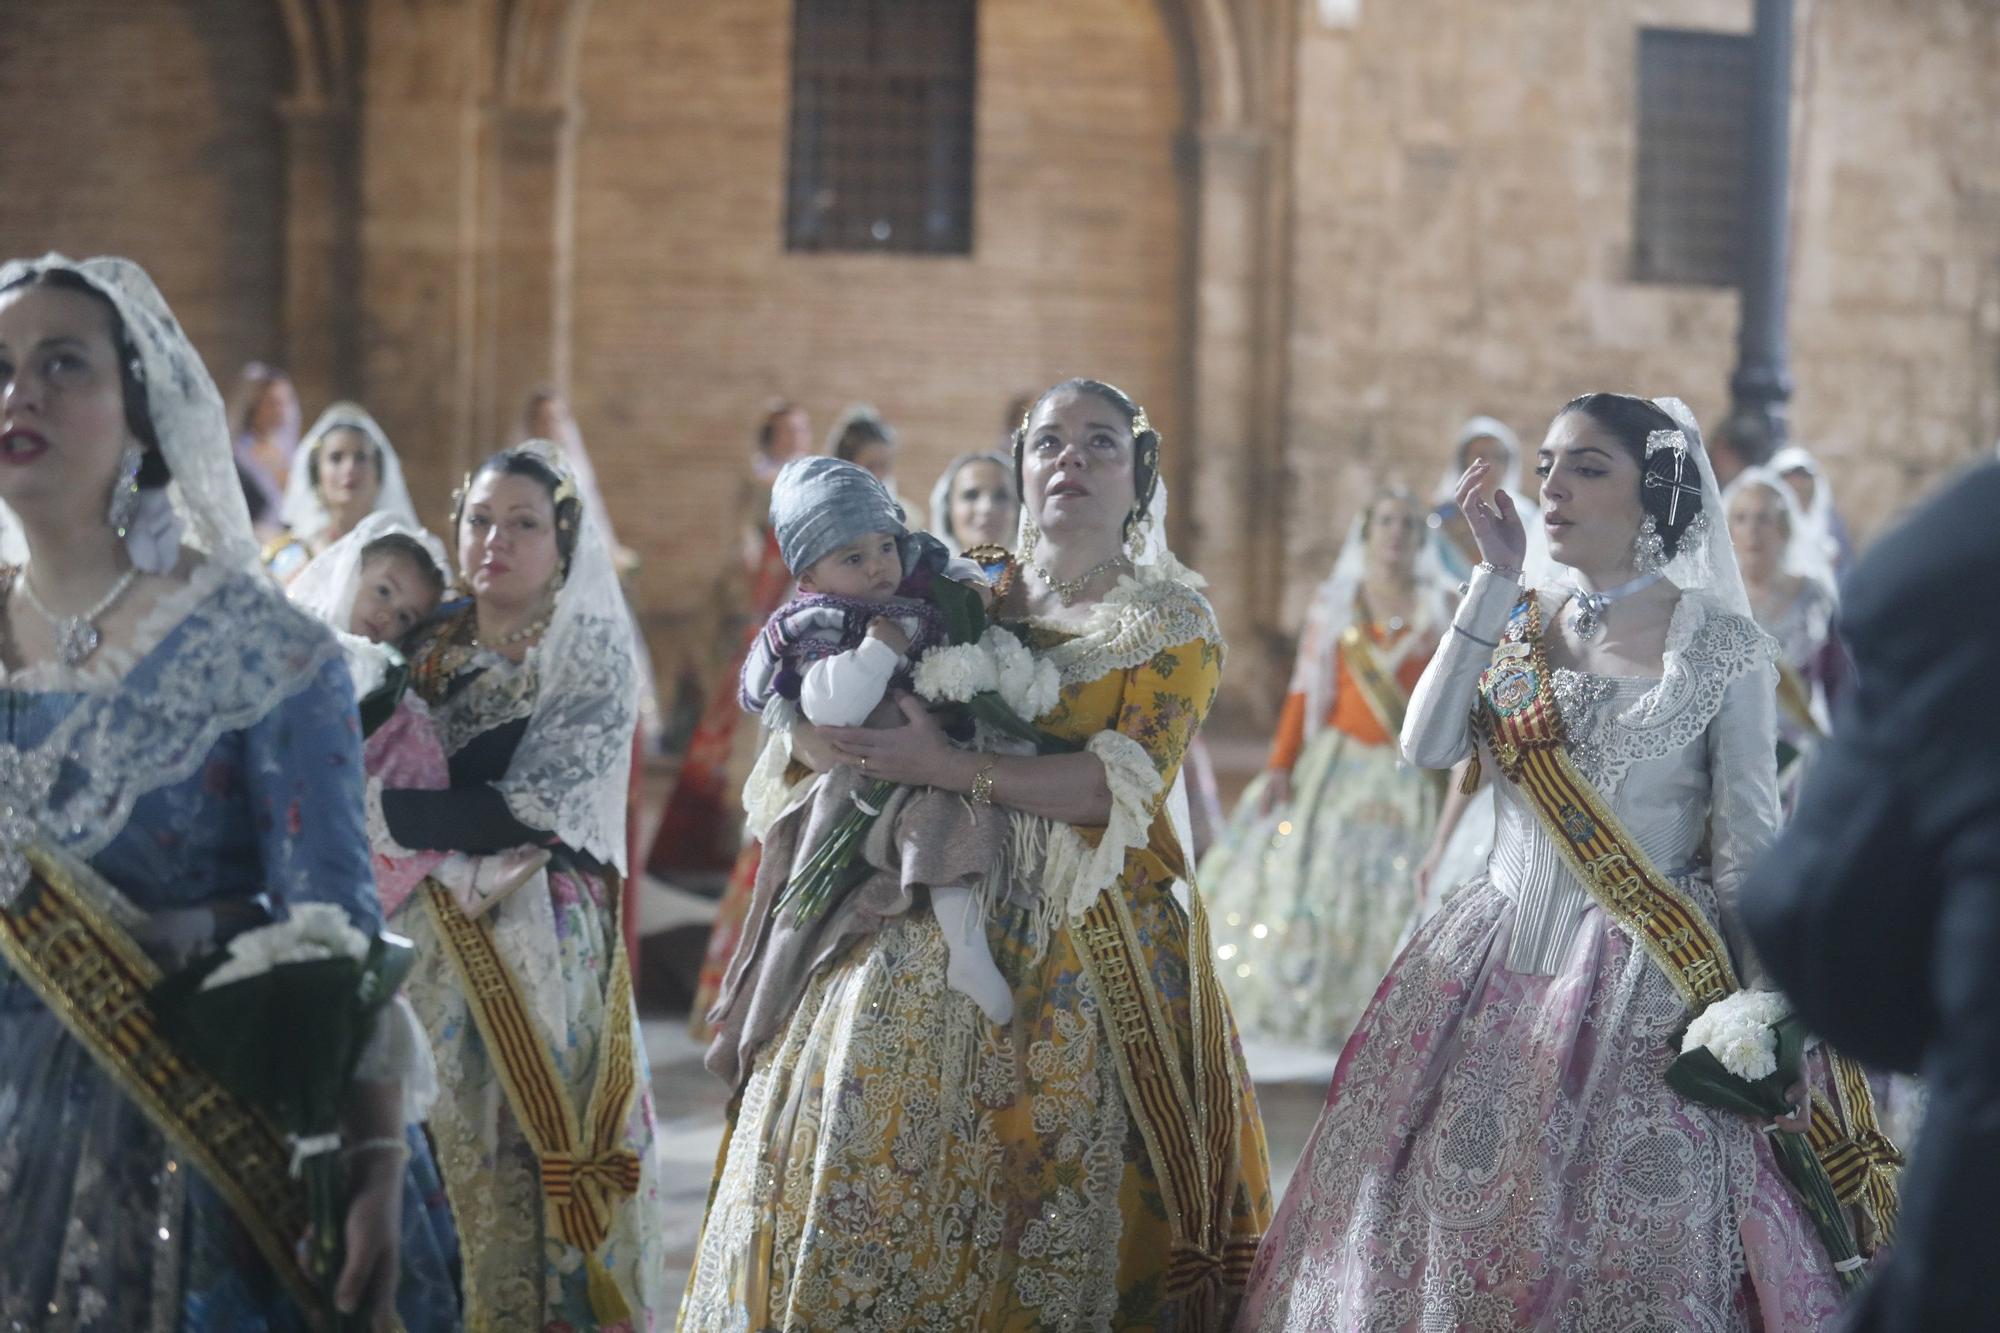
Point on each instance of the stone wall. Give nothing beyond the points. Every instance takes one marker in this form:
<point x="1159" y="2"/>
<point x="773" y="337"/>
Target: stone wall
<point x="691" y="314"/>
<point x="1463" y="242"/>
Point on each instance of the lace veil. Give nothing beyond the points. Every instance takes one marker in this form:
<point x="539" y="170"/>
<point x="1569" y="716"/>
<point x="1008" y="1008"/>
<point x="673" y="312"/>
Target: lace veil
<point x="242" y="649"/>
<point x="303" y="511"/>
<point x="1805" y="555"/>
<point x="1820" y="517"/>
<point x="186" y="409"/>
<point x="572" y="771"/>
<point x="1706" y="561"/>
<point x="1332" y="611"/>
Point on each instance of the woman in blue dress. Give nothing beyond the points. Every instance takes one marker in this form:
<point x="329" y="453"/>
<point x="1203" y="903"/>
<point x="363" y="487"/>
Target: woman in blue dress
<point x="179" y="761"/>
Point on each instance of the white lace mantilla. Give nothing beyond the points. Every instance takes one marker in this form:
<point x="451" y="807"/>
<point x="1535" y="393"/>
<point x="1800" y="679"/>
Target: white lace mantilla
<point x="1707" y="648"/>
<point x="1159" y="606"/>
<point x="241" y="651"/>
<point x="1156" y="609"/>
<point x="571" y="771"/>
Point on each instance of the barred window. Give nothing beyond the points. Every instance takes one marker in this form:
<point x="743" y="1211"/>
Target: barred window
<point x="1694" y="119"/>
<point x="881" y="130"/>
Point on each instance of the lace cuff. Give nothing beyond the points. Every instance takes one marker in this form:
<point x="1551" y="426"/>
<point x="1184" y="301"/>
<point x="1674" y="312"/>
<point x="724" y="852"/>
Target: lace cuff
<point x="399" y="1050"/>
<point x="1135" y="794"/>
<point x="380" y="841"/>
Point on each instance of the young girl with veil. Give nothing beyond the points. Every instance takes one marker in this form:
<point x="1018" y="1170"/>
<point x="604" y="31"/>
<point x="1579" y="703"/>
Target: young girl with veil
<point x="1500" y="1149"/>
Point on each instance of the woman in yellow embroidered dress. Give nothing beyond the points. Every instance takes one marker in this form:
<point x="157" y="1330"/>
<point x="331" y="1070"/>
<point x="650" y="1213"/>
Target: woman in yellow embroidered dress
<point x="896" y="1161"/>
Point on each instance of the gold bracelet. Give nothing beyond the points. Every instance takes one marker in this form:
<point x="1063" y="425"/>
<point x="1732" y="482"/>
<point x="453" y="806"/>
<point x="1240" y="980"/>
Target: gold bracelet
<point x="982" y="783"/>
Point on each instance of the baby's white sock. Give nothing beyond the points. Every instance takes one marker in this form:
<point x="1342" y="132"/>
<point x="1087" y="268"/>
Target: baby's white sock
<point x="971" y="970"/>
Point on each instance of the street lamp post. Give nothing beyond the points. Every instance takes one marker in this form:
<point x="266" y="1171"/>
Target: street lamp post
<point x="1761" y="387"/>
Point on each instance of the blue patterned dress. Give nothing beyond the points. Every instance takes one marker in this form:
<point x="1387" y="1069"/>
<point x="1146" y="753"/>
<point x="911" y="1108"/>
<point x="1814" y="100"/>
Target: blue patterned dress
<point x="233" y="778"/>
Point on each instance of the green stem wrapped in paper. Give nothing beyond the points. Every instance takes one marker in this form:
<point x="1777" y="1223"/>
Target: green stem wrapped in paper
<point x="281" y="1018"/>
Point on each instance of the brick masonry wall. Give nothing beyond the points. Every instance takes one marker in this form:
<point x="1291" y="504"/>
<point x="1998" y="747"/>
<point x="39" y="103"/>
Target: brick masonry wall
<point x="690" y="314"/>
<point x="147" y="128"/>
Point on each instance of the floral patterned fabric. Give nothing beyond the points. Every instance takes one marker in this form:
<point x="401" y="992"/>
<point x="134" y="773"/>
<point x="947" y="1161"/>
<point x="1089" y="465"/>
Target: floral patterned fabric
<point x="1500" y="1149"/>
<point x="1312" y="900"/>
<point x="556" y="934"/>
<point x="897" y="1162"/>
<point x="101" y="1227"/>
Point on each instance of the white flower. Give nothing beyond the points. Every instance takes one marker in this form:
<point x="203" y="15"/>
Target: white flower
<point x="1028" y="685"/>
<point x="1750" y="1055"/>
<point x="955" y="673"/>
<point x="1739" y="1031"/>
<point x="313" y="932"/>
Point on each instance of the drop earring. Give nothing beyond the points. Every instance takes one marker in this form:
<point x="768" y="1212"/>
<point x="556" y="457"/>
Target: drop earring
<point x="1649" y="549"/>
<point x="124" y="505"/>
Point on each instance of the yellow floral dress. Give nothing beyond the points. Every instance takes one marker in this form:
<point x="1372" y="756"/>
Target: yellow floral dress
<point x="898" y="1162"/>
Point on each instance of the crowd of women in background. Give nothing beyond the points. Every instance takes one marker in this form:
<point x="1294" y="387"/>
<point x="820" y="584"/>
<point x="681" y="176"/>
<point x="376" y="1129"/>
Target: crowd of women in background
<point x="988" y="1074"/>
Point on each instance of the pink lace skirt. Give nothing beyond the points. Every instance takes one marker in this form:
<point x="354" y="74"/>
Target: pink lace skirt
<point x="1501" y="1151"/>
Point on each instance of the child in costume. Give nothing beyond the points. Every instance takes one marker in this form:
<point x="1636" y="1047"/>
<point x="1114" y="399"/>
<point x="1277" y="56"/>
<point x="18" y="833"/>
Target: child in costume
<point x="371" y="588"/>
<point x="862" y="617"/>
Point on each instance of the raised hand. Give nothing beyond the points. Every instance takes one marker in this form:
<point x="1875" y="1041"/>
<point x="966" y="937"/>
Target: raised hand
<point x="1496" y="524"/>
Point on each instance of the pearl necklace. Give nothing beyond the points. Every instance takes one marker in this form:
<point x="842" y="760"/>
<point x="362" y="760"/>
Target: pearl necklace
<point x="77" y="637"/>
<point x="528" y="631"/>
<point x="1068" y="590"/>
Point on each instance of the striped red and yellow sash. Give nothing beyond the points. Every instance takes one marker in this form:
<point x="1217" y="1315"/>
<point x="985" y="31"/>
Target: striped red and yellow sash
<point x="1384" y="694"/>
<point x="587" y="1171"/>
<point x="1523" y="727"/>
<point x="1186" y="1103"/>
<point x="1848" y="1139"/>
<point x="92" y="976"/>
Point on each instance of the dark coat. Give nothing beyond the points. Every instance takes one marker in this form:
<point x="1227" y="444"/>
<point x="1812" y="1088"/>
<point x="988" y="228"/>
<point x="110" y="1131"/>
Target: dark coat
<point x="1878" y="910"/>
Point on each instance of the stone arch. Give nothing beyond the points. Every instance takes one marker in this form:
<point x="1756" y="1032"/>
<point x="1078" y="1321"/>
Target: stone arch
<point x="318" y="318"/>
<point x="1236" y="62"/>
<point x="321" y="42"/>
<point x="539" y="42"/>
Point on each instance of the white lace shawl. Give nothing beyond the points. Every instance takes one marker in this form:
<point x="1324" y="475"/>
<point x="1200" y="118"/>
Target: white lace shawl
<point x="242" y="651"/>
<point x="579" y="689"/>
<point x="1156" y="608"/>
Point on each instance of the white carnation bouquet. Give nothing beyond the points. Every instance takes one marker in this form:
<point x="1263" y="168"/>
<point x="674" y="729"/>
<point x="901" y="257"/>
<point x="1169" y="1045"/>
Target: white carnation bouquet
<point x="997" y="679"/>
<point x="986" y="677"/>
<point x="1745" y="1053"/>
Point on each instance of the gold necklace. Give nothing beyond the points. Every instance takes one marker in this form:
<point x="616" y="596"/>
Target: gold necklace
<point x="1068" y="590"/>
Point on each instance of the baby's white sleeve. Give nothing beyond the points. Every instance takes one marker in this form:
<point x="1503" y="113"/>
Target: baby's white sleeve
<point x="842" y="690"/>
